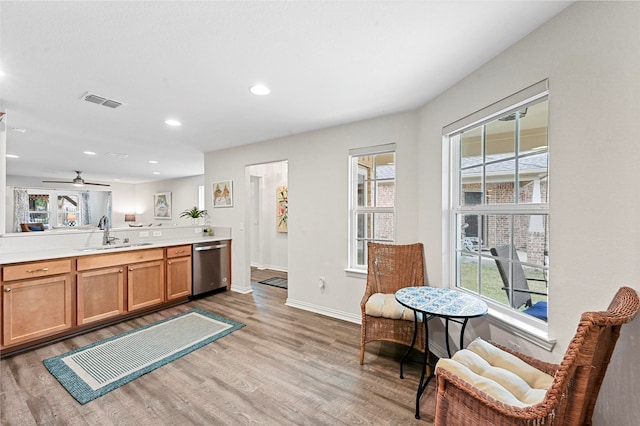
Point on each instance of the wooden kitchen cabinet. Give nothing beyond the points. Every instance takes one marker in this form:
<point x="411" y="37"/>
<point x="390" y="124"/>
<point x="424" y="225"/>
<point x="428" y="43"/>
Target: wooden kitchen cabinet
<point x="49" y="299"/>
<point x="145" y="285"/>
<point x="37" y="300"/>
<point x="179" y="272"/>
<point x="128" y="281"/>
<point x="100" y="294"/>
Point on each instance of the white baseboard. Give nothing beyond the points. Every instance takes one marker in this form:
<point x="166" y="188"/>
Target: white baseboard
<point x="345" y="316"/>
<point x="272" y="267"/>
<point x="243" y="289"/>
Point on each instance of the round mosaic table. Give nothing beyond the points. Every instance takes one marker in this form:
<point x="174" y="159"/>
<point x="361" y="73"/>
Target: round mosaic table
<point x="432" y="302"/>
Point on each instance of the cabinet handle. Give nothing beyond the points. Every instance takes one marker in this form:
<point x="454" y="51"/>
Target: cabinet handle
<point x="168" y="263"/>
<point x="130" y="268"/>
<point x="37" y="270"/>
<point x="120" y="270"/>
<point x="179" y="251"/>
<point x="8" y="289"/>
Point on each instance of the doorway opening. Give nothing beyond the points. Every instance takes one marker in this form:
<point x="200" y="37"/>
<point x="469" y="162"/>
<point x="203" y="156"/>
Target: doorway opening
<point x="268" y="220"/>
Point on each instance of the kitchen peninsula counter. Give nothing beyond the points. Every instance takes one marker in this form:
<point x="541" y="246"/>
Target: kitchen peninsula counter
<point x="33" y="246"/>
<point x="61" y="283"/>
<point x="63" y="252"/>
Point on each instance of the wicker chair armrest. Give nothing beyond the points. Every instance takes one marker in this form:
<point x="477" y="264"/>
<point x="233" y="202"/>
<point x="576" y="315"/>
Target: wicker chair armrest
<point x="367" y="294"/>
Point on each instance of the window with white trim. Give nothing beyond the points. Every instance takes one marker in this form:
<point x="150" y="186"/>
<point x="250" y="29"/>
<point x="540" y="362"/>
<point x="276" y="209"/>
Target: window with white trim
<point x="499" y="205"/>
<point x="372" y="192"/>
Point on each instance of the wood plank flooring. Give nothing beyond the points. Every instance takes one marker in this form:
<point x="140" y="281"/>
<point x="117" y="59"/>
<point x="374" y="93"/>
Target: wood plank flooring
<point x="263" y="274"/>
<point x="286" y="367"/>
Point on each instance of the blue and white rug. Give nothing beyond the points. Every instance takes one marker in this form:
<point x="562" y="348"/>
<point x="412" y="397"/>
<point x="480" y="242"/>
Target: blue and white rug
<point x="101" y="367"/>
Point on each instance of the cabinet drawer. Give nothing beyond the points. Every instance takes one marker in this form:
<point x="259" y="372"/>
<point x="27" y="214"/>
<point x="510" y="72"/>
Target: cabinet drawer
<point x="122" y="258"/>
<point x="179" y="251"/>
<point x="36" y="269"/>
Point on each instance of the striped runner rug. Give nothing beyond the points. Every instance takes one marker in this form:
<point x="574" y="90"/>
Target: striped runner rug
<point x="101" y="367"/>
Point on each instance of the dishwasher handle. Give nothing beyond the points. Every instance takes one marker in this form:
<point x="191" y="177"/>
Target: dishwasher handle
<point x="204" y="248"/>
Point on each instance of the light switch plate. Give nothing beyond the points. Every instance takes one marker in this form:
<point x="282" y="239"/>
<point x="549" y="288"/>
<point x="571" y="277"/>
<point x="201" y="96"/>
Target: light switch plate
<point x="143" y="234"/>
<point x="157" y="233"/>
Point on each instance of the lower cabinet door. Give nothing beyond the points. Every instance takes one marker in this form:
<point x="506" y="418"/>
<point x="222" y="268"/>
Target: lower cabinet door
<point x="100" y="294"/>
<point x="145" y="284"/>
<point x="36" y="308"/>
<point x="178" y="277"/>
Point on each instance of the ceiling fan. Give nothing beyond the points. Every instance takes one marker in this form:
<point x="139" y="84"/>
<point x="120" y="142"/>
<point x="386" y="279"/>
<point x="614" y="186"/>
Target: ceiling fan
<point x="77" y="181"/>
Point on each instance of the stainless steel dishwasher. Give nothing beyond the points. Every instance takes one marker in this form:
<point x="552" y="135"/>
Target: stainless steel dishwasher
<point x="210" y="266"/>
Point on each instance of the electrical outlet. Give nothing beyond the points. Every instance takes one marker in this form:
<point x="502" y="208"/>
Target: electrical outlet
<point x="157" y="233"/>
<point x="143" y="234"/>
<point x="514" y="345"/>
<point x="197" y="230"/>
<point x="322" y="282"/>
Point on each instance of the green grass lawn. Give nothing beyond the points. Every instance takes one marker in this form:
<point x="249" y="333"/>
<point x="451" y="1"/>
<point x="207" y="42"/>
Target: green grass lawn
<point x="492" y="283"/>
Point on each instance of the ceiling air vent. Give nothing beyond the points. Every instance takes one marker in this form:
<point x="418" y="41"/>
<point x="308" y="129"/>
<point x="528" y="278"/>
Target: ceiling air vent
<point x="101" y="100"/>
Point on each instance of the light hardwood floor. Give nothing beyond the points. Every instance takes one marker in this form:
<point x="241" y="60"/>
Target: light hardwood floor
<point x="263" y="274"/>
<point x="286" y="367"/>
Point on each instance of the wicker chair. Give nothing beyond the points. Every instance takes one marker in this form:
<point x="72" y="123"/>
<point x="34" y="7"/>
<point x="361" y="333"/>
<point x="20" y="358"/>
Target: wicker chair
<point x="575" y="382"/>
<point x="392" y="267"/>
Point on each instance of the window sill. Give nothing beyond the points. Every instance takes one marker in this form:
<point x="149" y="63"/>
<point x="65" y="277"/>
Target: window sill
<point x="356" y="273"/>
<point x="520" y="328"/>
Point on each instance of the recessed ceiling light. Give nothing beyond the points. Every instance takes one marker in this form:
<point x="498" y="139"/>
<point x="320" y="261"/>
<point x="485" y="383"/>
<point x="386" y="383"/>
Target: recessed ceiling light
<point x="156" y="173"/>
<point x="12" y="156"/>
<point x="89" y="153"/>
<point x="153" y="162"/>
<point x="174" y="123"/>
<point x="260" y="90"/>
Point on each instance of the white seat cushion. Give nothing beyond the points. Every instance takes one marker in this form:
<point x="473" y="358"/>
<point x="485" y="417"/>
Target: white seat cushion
<point x="499" y="374"/>
<point x="386" y="306"/>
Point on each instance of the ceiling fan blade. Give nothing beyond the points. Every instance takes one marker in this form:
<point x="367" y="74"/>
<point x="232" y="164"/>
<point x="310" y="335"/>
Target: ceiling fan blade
<point x="68" y="182"/>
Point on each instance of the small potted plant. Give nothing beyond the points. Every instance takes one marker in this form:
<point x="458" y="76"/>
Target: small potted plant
<point x="194" y="213"/>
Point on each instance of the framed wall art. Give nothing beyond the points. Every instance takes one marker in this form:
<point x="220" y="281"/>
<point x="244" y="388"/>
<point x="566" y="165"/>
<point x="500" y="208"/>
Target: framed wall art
<point x="162" y="205"/>
<point x="223" y="193"/>
<point x="282" y="208"/>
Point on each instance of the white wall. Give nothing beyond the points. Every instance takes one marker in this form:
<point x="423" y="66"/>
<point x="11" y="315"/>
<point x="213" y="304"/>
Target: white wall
<point x="590" y="53"/>
<point x="3" y="174"/>
<point x="270" y="248"/>
<point x="318" y="205"/>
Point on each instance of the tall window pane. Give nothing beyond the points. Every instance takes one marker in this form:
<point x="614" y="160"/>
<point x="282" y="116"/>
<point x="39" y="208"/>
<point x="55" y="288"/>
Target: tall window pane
<point x="500" y="208"/>
<point x="372" y="208"/>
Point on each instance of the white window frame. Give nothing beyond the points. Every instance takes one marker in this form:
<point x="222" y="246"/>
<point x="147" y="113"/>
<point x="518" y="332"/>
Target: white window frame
<point x="355" y="210"/>
<point x="501" y="315"/>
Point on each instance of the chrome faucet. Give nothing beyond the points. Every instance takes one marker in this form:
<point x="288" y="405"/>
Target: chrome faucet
<point x="103" y="224"/>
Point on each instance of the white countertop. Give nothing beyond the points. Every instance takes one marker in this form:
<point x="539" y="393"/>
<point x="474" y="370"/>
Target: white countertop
<point x="20" y="248"/>
<point x="62" y="252"/>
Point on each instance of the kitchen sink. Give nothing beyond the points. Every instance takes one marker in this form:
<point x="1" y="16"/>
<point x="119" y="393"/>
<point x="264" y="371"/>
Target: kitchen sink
<point x="115" y="246"/>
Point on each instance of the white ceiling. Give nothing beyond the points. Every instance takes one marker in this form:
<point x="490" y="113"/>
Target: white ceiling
<point x="327" y="63"/>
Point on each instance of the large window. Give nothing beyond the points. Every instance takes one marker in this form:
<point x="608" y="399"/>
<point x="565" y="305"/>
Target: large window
<point x="372" y="200"/>
<point x="500" y="211"/>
